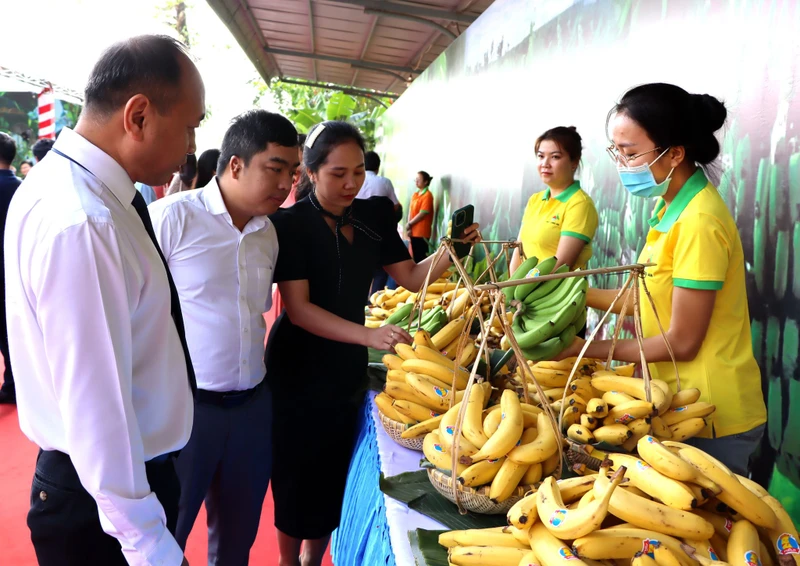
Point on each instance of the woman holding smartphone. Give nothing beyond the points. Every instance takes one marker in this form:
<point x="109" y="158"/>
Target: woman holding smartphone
<point x="330" y="246"/>
<point x="561" y="220"/>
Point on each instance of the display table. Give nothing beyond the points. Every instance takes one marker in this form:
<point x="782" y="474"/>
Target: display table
<point x="374" y="527"/>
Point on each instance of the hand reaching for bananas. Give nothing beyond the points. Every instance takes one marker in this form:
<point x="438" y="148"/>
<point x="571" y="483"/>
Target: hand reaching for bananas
<point x="572" y="350"/>
<point x="386" y="337"/>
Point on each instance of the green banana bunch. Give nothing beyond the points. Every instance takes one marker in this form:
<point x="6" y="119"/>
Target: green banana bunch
<point x="521" y="273"/>
<point x="432" y="319"/>
<point x="550" y="313"/>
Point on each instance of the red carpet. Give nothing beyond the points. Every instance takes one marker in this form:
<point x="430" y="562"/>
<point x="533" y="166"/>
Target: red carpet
<point x="17" y="459"/>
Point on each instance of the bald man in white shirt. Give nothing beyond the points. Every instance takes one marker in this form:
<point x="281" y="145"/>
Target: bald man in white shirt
<point x="96" y="332"/>
<point x="221" y="249"/>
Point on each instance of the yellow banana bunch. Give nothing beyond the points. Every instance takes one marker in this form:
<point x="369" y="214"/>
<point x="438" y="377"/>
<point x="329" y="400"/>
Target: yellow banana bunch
<point x="671" y="465"/>
<point x="449" y="332"/>
<point x="571" y="524"/>
<point x="642" y="475"/>
<point x="508" y="433"/>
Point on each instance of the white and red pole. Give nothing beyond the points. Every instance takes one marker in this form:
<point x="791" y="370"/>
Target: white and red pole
<point x="47" y="114"/>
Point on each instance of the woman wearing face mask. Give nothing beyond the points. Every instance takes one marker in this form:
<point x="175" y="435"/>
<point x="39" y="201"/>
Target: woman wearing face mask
<point x="561" y="220"/>
<point x="330" y="246"/>
<point x="663" y="137"/>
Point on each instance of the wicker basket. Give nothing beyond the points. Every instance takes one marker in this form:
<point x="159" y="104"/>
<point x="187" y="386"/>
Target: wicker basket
<point x="472" y="499"/>
<point x="394" y="429"/>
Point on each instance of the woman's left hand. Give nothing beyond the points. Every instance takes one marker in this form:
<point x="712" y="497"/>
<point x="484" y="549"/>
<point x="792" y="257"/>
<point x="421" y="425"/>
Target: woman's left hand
<point x="471" y="234"/>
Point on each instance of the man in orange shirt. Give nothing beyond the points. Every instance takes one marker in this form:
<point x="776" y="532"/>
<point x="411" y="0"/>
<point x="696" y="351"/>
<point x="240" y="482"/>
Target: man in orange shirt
<point x="421" y="217"/>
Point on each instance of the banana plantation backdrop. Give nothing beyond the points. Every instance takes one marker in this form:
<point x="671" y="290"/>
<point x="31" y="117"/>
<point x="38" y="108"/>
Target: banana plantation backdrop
<point x="472" y="118"/>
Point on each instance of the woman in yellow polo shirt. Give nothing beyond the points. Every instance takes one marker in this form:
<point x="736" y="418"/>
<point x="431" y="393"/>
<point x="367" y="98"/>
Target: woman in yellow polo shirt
<point x="663" y="137"/>
<point x="561" y="220"/>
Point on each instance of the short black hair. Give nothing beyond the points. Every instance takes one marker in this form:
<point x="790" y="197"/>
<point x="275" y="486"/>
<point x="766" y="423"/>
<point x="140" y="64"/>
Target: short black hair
<point x="26" y="162"/>
<point x="8" y="148"/>
<point x="41" y="147"/>
<point x="301" y="139"/>
<point x="372" y="161"/>
<point x="206" y="167"/>
<point x="673" y="117"/>
<point x="333" y="134"/>
<point x="250" y="133"/>
<point x="145" y="64"/>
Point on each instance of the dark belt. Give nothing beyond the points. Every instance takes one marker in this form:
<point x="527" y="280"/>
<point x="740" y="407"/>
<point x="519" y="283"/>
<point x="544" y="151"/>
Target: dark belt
<point x="58" y="468"/>
<point x="226" y="399"/>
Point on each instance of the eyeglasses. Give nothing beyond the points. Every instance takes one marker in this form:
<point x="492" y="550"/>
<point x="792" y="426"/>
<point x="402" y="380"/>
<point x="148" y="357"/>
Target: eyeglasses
<point x="621" y="159"/>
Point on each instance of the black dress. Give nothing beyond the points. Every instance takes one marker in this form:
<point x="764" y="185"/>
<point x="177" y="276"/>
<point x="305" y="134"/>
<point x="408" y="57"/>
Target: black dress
<point x="319" y="385"/>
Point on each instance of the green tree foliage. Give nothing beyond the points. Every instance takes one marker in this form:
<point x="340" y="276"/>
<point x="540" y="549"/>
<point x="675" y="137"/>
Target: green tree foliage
<point x="306" y="106"/>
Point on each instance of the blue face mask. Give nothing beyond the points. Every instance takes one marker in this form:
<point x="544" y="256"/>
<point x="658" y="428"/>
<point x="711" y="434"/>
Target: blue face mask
<point x="639" y="180"/>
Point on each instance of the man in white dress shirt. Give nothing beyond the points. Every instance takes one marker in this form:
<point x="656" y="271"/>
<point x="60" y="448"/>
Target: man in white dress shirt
<point x="221" y="249"/>
<point x="105" y="381"/>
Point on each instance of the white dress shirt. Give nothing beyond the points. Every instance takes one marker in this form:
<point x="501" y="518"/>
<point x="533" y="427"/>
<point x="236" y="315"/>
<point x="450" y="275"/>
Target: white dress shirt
<point x="224" y="279"/>
<point x="377" y="186"/>
<point x="101" y="371"/>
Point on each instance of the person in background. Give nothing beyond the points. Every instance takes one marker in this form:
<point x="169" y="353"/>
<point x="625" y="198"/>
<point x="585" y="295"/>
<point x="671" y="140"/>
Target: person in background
<point x="40" y="148"/>
<point x="663" y="139"/>
<point x="25" y="167"/>
<point x="561" y="220"/>
<point x="316" y="356"/>
<point x="147" y="191"/>
<point x="185" y="178"/>
<point x="8" y="186"/>
<point x="206" y="167"/>
<point x="420" y="224"/>
<point x="221" y="248"/>
<point x="94" y="319"/>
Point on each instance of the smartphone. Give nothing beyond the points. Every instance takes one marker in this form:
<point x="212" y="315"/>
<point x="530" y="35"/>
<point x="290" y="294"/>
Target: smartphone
<point x="462" y="219"/>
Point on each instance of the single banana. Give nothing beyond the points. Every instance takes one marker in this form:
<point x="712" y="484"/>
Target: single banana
<point x="487" y="555"/>
<point x="486" y="537"/>
<point x="733" y="493"/>
<point x="632" y="386"/>
<point x="472" y="426"/>
<point x="667" y="490"/>
<point x="659" y="428"/>
<point x="396" y="375"/>
<point x="447" y="539"/>
<point x="589" y="421"/>
<point x="687" y="429"/>
<point x="414" y="410"/>
<point x="437" y="455"/>
<point x="449" y="332"/>
<point x="447" y="431"/>
<point x="392" y="362"/>
<point x="641" y="559"/>
<point x="422" y="428"/>
<point x="752" y="486"/>
<point x="405" y="352"/>
<point x="624" y="542"/>
<point x="682" y="413"/>
<point x="404" y="391"/>
<point x="744" y="546"/>
<point x="550" y="378"/>
<point x="629" y="412"/>
<point x="384" y="404"/>
<point x="437" y="370"/>
<point x="614" y="398"/>
<point x="722" y="525"/>
<point x="542" y="448"/>
<point x="492" y="421"/>
<point x="664" y="556"/>
<point x="651" y="515"/>
<point x="783" y="537"/>
<point x="671" y="465"/>
<point x="433" y="396"/>
<point x="580" y="433"/>
<point x="480" y="473"/>
<point x="626" y="370"/>
<point x="685" y="397"/>
<point x="523" y="513"/>
<point x="506" y="480"/>
<point x="550" y="550"/>
<point x="520" y="273"/>
<point x="469" y="354"/>
<point x="615" y="434"/>
<point x="533" y="475"/>
<point x="640" y="427"/>
<point x="508" y="433"/>
<point x="523" y="536"/>
<point x="663" y="407"/>
<point x="529" y="560"/>
<point x="597" y="408"/>
<point x="571" y="524"/>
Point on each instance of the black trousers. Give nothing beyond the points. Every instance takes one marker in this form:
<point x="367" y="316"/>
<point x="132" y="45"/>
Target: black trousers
<point x="63" y="518"/>
<point x="419" y="249"/>
<point x="8" y="376"/>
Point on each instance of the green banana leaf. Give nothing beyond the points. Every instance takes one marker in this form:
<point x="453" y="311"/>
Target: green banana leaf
<point x="426" y="548"/>
<point x="305" y="119"/>
<point x="415" y="490"/>
<point x="340" y="106"/>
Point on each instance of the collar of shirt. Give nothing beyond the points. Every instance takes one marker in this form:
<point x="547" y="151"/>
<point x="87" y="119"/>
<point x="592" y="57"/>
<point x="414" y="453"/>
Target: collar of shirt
<point x="422" y="191"/>
<point x="6" y="173"/>
<point x="566" y="194"/>
<point x="211" y="196"/>
<point x="371" y="173"/>
<point x="101" y="164"/>
<point x="662" y="220"/>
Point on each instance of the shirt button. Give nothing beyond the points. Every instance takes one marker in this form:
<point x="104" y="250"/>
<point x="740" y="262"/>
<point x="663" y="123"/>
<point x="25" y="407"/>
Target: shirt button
<point x="244" y="362"/>
<point x="43" y="495"/>
<point x="245" y="329"/>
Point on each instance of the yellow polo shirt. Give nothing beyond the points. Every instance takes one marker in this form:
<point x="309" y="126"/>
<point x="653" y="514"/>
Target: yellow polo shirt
<point x="546" y="219"/>
<point x="695" y="245"/>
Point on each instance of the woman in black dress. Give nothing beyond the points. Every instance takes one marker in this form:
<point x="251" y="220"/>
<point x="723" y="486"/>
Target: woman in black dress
<point x="330" y="246"/>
